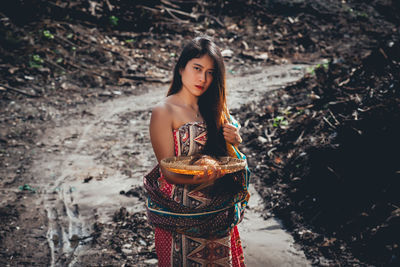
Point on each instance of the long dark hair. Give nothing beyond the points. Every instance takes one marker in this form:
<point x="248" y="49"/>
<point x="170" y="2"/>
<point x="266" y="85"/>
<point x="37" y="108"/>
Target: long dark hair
<point x="212" y="104"/>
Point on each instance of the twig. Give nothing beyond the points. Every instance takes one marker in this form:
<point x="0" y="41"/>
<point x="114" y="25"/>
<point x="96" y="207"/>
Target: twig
<point x="54" y="64"/>
<point x="149" y="8"/>
<point x="162" y="66"/>
<point x="146" y="78"/>
<point x="269" y="152"/>
<point x="333" y="116"/>
<point x="73" y="28"/>
<point x="169" y="3"/>
<point x="169" y="10"/>
<point x="87" y="70"/>
<point x="66" y="41"/>
<point x="332" y="171"/>
<point x="356" y="130"/>
<point x="180" y="12"/>
<point x="300" y="138"/>
<point x="383" y="53"/>
<point x="110" y="7"/>
<point x="214" y="18"/>
<point x="185" y="1"/>
<point x="17" y="90"/>
<point x="314" y="114"/>
<point x="267" y="135"/>
<point x="169" y="21"/>
<point x="175" y="17"/>
<point x="330" y="124"/>
<point x="183" y="13"/>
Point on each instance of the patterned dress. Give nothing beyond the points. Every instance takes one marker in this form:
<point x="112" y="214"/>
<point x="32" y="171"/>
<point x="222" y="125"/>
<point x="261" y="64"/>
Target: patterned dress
<point x="174" y="249"/>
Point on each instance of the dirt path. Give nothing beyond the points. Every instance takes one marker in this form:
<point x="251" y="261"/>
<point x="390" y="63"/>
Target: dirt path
<point x="85" y="162"/>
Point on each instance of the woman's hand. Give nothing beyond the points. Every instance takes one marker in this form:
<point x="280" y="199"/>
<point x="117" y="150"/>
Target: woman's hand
<point x="206" y="177"/>
<point x="231" y="134"/>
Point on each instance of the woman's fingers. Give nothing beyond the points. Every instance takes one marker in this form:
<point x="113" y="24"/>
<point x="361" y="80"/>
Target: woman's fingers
<point x="197" y="178"/>
<point x="219" y="172"/>
<point x="230" y="138"/>
<point x="231" y="134"/>
<point x="210" y="173"/>
<point x="229" y="128"/>
<point x="207" y="175"/>
<point x="215" y="173"/>
<point x="200" y="178"/>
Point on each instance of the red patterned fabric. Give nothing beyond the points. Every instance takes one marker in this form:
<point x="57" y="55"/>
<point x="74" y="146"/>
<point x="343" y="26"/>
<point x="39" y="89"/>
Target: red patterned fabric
<point x="174" y="249"/>
<point x="163" y="246"/>
<point x="236" y="248"/>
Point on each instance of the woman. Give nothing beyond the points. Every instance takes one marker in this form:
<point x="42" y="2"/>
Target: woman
<point x="196" y="227"/>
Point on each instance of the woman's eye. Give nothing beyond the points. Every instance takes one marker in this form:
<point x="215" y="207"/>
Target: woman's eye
<point x="210" y="73"/>
<point x="196" y="68"/>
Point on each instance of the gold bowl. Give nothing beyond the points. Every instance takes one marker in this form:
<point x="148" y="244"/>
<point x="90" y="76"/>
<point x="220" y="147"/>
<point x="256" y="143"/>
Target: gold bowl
<point x="181" y="164"/>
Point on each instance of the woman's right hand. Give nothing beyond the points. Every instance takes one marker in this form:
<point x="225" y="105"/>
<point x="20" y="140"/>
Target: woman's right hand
<point x="208" y="177"/>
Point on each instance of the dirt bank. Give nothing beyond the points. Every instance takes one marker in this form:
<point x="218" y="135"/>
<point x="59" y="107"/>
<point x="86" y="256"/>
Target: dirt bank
<point x="326" y="158"/>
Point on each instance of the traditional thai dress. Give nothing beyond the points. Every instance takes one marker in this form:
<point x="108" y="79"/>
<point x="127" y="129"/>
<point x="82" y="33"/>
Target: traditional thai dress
<point x="195" y="227"/>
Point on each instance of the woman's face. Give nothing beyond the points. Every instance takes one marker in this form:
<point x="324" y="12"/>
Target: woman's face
<point x="197" y="75"/>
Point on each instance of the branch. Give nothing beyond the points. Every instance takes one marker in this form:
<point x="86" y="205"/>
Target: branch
<point x="214" y="18"/>
<point x="54" y="64"/>
<point x="180" y="12"/>
<point x="169" y="3"/>
<point x="17" y="90"/>
<point x="146" y="78"/>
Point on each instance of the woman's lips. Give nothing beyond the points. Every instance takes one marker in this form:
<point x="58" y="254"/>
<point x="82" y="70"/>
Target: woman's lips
<point x="199" y="87"/>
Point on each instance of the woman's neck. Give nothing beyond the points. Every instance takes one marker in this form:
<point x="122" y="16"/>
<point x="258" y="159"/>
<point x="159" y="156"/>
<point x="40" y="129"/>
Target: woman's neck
<point x="188" y="99"/>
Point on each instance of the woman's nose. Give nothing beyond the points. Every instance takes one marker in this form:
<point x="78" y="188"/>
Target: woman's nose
<point x="203" y="77"/>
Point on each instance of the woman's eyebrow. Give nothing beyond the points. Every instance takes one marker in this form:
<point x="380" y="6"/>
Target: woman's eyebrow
<point x="197" y="64"/>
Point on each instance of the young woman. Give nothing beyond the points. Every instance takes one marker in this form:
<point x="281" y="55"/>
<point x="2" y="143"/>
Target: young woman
<point x="193" y="226"/>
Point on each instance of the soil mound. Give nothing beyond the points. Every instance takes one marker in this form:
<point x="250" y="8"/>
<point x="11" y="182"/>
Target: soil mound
<point x="327" y="161"/>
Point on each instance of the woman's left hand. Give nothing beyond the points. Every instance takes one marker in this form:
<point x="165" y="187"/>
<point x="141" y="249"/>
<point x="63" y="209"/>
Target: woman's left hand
<point x="231" y="134"/>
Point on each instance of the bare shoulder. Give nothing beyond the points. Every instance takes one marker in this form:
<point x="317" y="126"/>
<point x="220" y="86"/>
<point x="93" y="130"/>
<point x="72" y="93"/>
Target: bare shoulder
<point x="162" y="112"/>
<point x="160" y="109"/>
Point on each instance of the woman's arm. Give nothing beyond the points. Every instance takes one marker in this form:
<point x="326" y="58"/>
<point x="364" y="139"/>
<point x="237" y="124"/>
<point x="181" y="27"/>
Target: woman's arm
<point x="162" y="140"/>
<point x="231" y="134"/>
